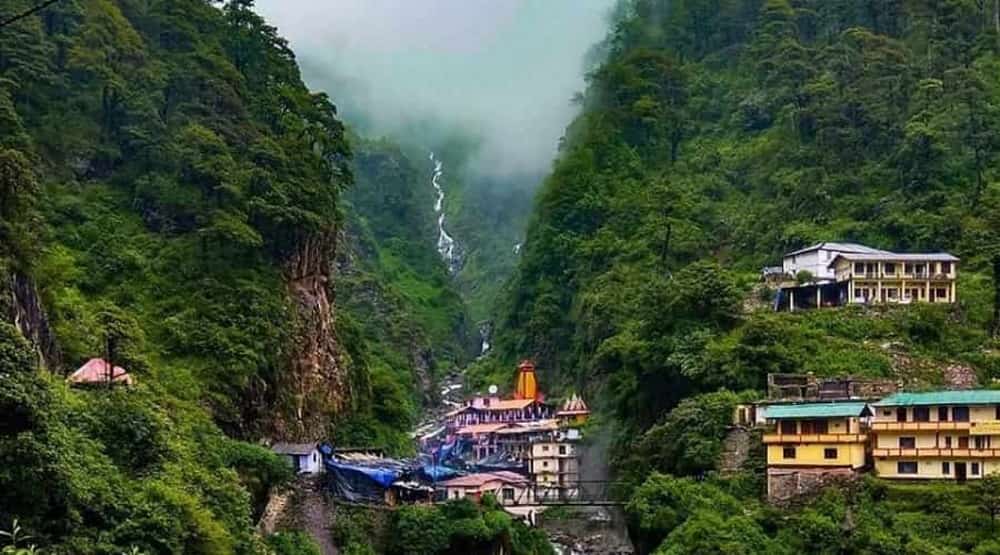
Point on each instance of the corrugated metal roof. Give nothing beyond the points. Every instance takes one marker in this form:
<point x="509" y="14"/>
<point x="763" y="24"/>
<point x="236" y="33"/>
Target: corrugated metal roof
<point x="894" y="256"/>
<point x="283" y="448"/>
<point x="839" y="247"/>
<point x="815" y="410"/>
<point x="957" y="397"/>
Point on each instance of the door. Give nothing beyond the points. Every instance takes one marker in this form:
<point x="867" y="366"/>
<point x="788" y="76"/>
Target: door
<point x="960" y="471"/>
<point x="963" y="442"/>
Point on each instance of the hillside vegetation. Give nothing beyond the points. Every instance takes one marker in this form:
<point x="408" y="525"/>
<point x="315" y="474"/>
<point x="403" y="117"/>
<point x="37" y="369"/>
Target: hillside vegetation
<point x="720" y="134"/>
<point x="171" y="196"/>
<point x="717" y="135"/>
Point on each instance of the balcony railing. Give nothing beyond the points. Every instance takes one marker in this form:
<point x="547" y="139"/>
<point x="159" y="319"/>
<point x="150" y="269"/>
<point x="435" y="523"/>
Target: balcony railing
<point x="936" y="452"/>
<point x="899" y="276"/>
<point x="814" y="438"/>
<point x="918" y="426"/>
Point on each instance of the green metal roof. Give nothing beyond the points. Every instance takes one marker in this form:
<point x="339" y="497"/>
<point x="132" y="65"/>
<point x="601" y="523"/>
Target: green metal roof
<point x="815" y="410"/>
<point x="959" y="397"/>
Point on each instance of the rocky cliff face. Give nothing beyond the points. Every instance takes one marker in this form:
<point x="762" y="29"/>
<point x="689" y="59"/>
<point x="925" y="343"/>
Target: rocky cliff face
<point x="315" y="385"/>
<point x="22" y="306"/>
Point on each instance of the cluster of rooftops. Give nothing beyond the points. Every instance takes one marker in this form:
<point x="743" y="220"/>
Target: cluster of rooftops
<point x="862" y="408"/>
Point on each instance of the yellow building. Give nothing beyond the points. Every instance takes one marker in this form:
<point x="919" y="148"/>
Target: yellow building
<point x="943" y="434"/>
<point x="896" y="278"/>
<point x="811" y="444"/>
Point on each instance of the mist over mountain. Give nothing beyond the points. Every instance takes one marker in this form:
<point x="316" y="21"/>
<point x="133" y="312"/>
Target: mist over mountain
<point x="501" y="73"/>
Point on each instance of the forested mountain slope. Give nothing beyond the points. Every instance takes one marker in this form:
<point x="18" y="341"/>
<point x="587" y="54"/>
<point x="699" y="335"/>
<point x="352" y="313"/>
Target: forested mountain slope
<point x="718" y="135"/>
<point x="398" y="309"/>
<point x="170" y="198"/>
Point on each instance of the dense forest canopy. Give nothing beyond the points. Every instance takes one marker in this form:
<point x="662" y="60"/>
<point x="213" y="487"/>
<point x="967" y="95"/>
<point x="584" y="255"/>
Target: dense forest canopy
<point x="161" y="164"/>
<point x="716" y="136"/>
<point x="720" y="134"/>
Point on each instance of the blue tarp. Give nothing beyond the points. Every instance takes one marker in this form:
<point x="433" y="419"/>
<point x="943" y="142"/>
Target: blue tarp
<point x="435" y="473"/>
<point x="384" y="475"/>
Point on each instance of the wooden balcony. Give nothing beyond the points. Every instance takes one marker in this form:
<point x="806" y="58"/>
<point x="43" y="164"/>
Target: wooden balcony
<point x="918" y="426"/>
<point x="814" y="438"/>
<point x="933" y="452"/>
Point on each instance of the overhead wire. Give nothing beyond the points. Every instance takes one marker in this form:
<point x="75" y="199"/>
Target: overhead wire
<point x="31" y="11"/>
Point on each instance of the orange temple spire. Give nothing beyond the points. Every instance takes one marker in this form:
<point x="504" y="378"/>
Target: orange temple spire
<point x="527" y="383"/>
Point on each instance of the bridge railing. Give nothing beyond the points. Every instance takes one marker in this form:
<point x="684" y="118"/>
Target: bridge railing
<point x="576" y="493"/>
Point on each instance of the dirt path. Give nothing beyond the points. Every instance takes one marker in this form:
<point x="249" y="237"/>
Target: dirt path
<point x="317" y="517"/>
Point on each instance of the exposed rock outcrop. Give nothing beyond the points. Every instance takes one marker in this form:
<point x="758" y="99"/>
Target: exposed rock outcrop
<point x="315" y="385"/>
<point x="23" y="307"/>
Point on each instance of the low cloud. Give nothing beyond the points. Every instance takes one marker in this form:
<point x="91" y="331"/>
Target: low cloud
<point x="503" y="71"/>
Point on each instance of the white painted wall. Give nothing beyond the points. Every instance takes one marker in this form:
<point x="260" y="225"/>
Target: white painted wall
<point x="816" y="262"/>
<point x="307" y="464"/>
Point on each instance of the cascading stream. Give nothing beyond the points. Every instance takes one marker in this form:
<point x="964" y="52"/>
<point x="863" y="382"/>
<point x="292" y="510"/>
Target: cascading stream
<point x="445" y="243"/>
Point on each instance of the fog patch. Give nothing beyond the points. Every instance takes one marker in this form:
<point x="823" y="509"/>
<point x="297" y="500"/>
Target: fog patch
<point x="500" y="71"/>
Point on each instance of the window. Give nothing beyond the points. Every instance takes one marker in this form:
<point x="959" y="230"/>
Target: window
<point x="946" y="468"/>
<point x="859" y="268"/>
<point x="860" y="293"/>
<point x="545" y="464"/>
<point x="892" y="292"/>
<point x="545" y="448"/>
<point x="946" y="267"/>
<point x="907" y="268"/>
<point x="997" y="414"/>
<point x="900" y="414"/>
<point x="974" y="469"/>
<point x="907" y="443"/>
<point x="788" y="427"/>
<point x="979" y="442"/>
<point x="921" y="414"/>
<point x="830" y="453"/>
<point x="890" y="268"/>
<point x="788" y="453"/>
<point x="960" y="414"/>
<point x="562" y="449"/>
<point x="507" y="494"/>
<point x="814" y="426"/>
<point x="947" y="442"/>
<point x="886" y="412"/>
<point x="906" y="467"/>
<point x="963" y="442"/>
<point x="455" y="494"/>
<point x="942" y="292"/>
<point x="943" y="414"/>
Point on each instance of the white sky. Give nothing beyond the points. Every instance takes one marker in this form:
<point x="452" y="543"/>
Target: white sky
<point x="506" y="68"/>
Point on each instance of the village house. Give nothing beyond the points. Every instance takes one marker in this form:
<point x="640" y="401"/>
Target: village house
<point x="554" y="465"/>
<point x="812" y="444"/>
<point x="896" y="278"/>
<point x="509" y="488"/>
<point x="100" y="372"/>
<point x="304" y="458"/>
<point x="573" y="412"/>
<point x="516" y="439"/>
<point x="527" y="404"/>
<point x="943" y="434"/>
<point x="836" y="274"/>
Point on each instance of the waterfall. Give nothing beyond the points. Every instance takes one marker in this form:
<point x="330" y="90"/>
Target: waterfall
<point x="445" y="243"/>
<point x="485" y="330"/>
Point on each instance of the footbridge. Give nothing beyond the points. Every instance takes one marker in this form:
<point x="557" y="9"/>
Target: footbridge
<point x="590" y="493"/>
